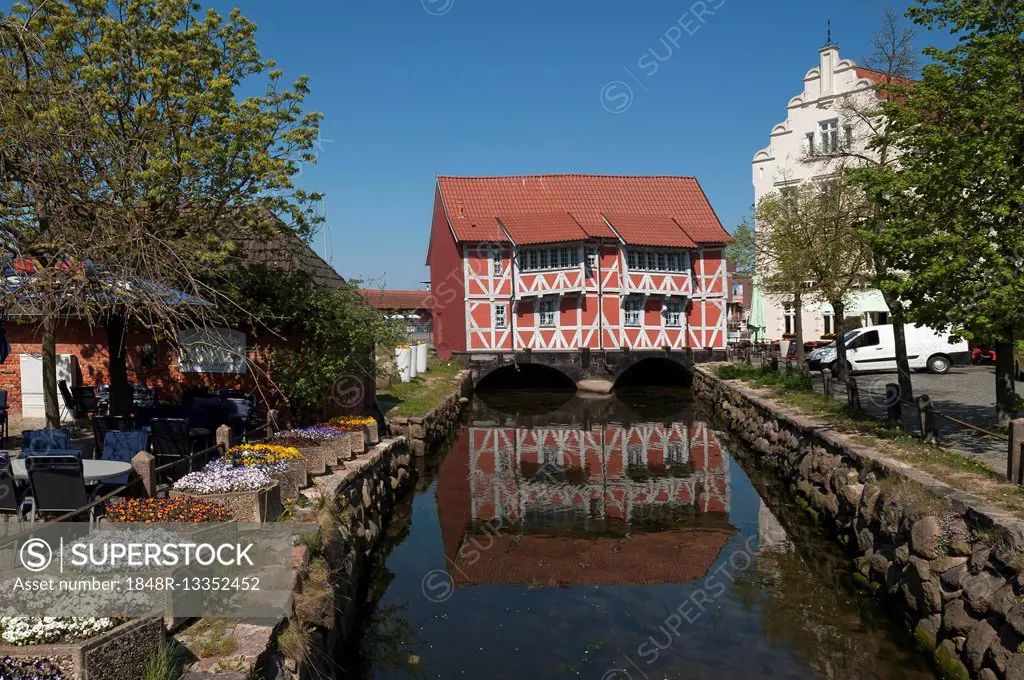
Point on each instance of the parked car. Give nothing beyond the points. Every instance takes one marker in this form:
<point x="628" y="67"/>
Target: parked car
<point x="873" y="348"/>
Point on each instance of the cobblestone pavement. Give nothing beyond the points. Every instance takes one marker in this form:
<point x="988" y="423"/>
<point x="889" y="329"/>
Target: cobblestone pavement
<point x="966" y="393"/>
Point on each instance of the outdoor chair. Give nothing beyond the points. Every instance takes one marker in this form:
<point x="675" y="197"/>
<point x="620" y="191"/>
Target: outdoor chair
<point x="3" y="417"/>
<point x="67" y="397"/>
<point x="12" y="496"/>
<point x="85" y="400"/>
<point x="239" y="414"/>
<point x="101" y="425"/>
<point x="170" y="443"/>
<point x="58" y="485"/>
<point x="46" y="440"/>
<point x="121" y="446"/>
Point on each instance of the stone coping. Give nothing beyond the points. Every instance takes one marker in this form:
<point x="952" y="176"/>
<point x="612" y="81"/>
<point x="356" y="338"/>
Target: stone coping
<point x="1006" y="525"/>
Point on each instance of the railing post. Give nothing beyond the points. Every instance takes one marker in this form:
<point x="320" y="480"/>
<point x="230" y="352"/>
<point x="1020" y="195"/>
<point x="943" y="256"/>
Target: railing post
<point x="893" y="403"/>
<point x="926" y="413"/>
<point x="826" y="379"/>
<point x="144" y="463"/>
<point x="271" y="423"/>
<point x="789" y="365"/>
<point x="852" y="393"/>
<point x="224" y="437"/>
<point x="1014" y="468"/>
<point x="774" y="363"/>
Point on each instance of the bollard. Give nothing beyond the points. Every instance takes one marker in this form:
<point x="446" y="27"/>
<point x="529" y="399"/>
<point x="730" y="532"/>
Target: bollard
<point x="893" y="403"/>
<point x="926" y="413"/>
<point x="789" y="365"/>
<point x="826" y="379"/>
<point x="1014" y="468"/>
<point x="144" y="463"/>
<point x="852" y="393"/>
<point x="774" y="364"/>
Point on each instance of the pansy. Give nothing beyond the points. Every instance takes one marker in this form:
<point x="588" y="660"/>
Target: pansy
<point x="169" y="510"/>
<point x="223" y="479"/>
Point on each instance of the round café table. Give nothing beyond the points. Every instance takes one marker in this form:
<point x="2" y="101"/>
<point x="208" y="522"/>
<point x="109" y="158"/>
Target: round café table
<point x="95" y="471"/>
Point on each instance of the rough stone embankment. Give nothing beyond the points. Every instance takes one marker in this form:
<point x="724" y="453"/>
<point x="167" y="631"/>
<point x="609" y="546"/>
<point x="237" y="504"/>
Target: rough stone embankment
<point x="942" y="559"/>
<point x="425" y="432"/>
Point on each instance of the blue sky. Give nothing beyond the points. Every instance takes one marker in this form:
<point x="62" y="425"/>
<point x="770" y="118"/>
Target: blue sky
<point x="412" y="89"/>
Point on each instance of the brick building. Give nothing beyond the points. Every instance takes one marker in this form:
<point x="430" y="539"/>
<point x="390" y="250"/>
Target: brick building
<point x="83" y="357"/>
<point x="569" y="262"/>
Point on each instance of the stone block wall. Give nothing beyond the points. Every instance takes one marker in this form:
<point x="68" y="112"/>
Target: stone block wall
<point x="426" y="432"/>
<point x="945" y="563"/>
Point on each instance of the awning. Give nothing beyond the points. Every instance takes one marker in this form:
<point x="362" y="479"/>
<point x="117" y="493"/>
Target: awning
<point x="756" y="323"/>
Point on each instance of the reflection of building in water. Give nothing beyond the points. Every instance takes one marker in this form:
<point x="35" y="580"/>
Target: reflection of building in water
<point x="770" y="534"/>
<point x="607" y="472"/>
<point x="556" y="505"/>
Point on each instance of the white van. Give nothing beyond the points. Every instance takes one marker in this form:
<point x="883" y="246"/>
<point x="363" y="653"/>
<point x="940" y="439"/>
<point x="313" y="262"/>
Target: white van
<point x="873" y="348"/>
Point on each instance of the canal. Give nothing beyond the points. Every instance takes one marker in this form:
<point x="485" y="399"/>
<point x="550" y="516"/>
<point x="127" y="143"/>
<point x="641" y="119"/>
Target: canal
<point x="613" y="539"/>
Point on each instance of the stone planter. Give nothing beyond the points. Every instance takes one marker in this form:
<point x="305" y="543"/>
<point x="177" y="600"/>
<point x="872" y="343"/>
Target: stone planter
<point x="262" y="505"/>
<point x="358" y="442"/>
<point x="370" y="432"/>
<point x="340" y="447"/>
<point x="292" y="480"/>
<point x="316" y="459"/>
<point x="118" y="654"/>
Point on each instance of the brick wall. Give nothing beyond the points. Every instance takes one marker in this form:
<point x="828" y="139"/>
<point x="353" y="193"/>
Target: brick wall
<point x="89" y="345"/>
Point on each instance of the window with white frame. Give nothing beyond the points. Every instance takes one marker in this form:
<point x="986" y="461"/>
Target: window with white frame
<point x="673" y="313"/>
<point x="632" y="310"/>
<point x="591" y="261"/>
<point x="533" y="259"/>
<point x="496" y="261"/>
<point x="812" y="150"/>
<point x="656" y="260"/>
<point x="830" y="323"/>
<point x="829" y="136"/>
<point x="548" y="312"/>
<point x="501" y="315"/>
<point x="790" y="317"/>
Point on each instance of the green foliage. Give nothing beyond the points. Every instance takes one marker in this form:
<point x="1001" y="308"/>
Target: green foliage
<point x="742" y="251"/>
<point x="424" y="392"/>
<point x="954" y="203"/>
<point x="323" y="335"/>
<point x="166" y="664"/>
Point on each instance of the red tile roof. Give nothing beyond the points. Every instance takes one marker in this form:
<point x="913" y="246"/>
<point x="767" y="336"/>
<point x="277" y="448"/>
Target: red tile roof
<point x="649" y="230"/>
<point x="543" y="228"/>
<point x="879" y="78"/>
<point x="474" y="204"/>
<point x="397" y="299"/>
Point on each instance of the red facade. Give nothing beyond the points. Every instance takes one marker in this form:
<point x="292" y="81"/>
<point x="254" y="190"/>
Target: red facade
<point x="557" y="263"/>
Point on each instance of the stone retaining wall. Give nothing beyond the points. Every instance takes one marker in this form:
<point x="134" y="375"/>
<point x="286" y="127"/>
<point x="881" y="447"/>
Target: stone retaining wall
<point x="426" y="432"/>
<point x="362" y="496"/>
<point x="951" y="565"/>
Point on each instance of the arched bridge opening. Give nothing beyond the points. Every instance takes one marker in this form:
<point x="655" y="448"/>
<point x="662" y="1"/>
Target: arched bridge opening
<point x="524" y="376"/>
<point x="655" y="372"/>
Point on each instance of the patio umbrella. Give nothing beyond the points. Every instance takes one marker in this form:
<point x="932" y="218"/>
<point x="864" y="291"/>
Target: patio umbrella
<point x="757" y="323"/>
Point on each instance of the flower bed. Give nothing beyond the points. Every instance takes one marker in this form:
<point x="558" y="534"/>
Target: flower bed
<point x="25" y="630"/>
<point x="314" y="445"/>
<point x="30" y="669"/>
<point x="185" y="509"/>
<point x="267" y="457"/>
<point x="364" y="425"/>
<point x="249" y="493"/>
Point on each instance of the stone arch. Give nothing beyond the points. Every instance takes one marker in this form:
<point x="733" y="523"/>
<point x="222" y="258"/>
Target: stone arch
<point x="523" y="375"/>
<point x="655" y="371"/>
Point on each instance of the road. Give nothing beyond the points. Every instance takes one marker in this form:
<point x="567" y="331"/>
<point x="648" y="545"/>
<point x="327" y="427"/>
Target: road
<point x="966" y="393"/>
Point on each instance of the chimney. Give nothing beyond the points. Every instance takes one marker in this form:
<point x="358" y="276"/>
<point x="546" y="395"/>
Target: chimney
<point x="460" y="211"/>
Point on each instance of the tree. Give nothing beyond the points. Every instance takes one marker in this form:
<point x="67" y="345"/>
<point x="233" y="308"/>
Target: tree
<point x="128" y="167"/>
<point x="954" y="201"/>
<point x="895" y="61"/>
<point x="808" y="240"/>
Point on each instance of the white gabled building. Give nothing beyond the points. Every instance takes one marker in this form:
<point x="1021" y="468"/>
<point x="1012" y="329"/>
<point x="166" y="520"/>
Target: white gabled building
<point x="820" y="123"/>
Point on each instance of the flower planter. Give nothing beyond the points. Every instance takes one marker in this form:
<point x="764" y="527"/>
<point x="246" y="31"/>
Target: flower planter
<point x="118" y="654"/>
<point x="261" y="505"/>
<point x="292" y="480"/>
<point x="370" y="434"/>
<point x="358" y="442"/>
<point x="421" y="358"/>
<point x="316" y="459"/>
<point x="403" y="361"/>
<point x="340" y="447"/>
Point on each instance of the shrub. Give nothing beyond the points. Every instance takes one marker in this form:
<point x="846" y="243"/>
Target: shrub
<point x="170" y="510"/>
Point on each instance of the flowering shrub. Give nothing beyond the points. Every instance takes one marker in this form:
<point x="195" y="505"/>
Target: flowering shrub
<point x="25" y="630"/>
<point x="351" y="423"/>
<point x="219" y="478"/>
<point x="263" y="456"/>
<point x="181" y="509"/>
<point x="26" y="669"/>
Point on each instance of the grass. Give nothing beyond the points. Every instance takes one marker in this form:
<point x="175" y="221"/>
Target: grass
<point x="166" y="664"/>
<point x="424" y="392"/>
<point x="208" y="638"/>
<point x="765" y="376"/>
<point x="954" y="469"/>
<point x="294" y="642"/>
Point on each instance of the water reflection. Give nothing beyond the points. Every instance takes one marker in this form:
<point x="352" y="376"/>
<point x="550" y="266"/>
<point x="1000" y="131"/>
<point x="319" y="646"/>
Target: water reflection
<point x="616" y="538"/>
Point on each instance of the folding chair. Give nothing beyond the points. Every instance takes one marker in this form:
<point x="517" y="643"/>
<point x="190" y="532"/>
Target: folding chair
<point x="58" y="485"/>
